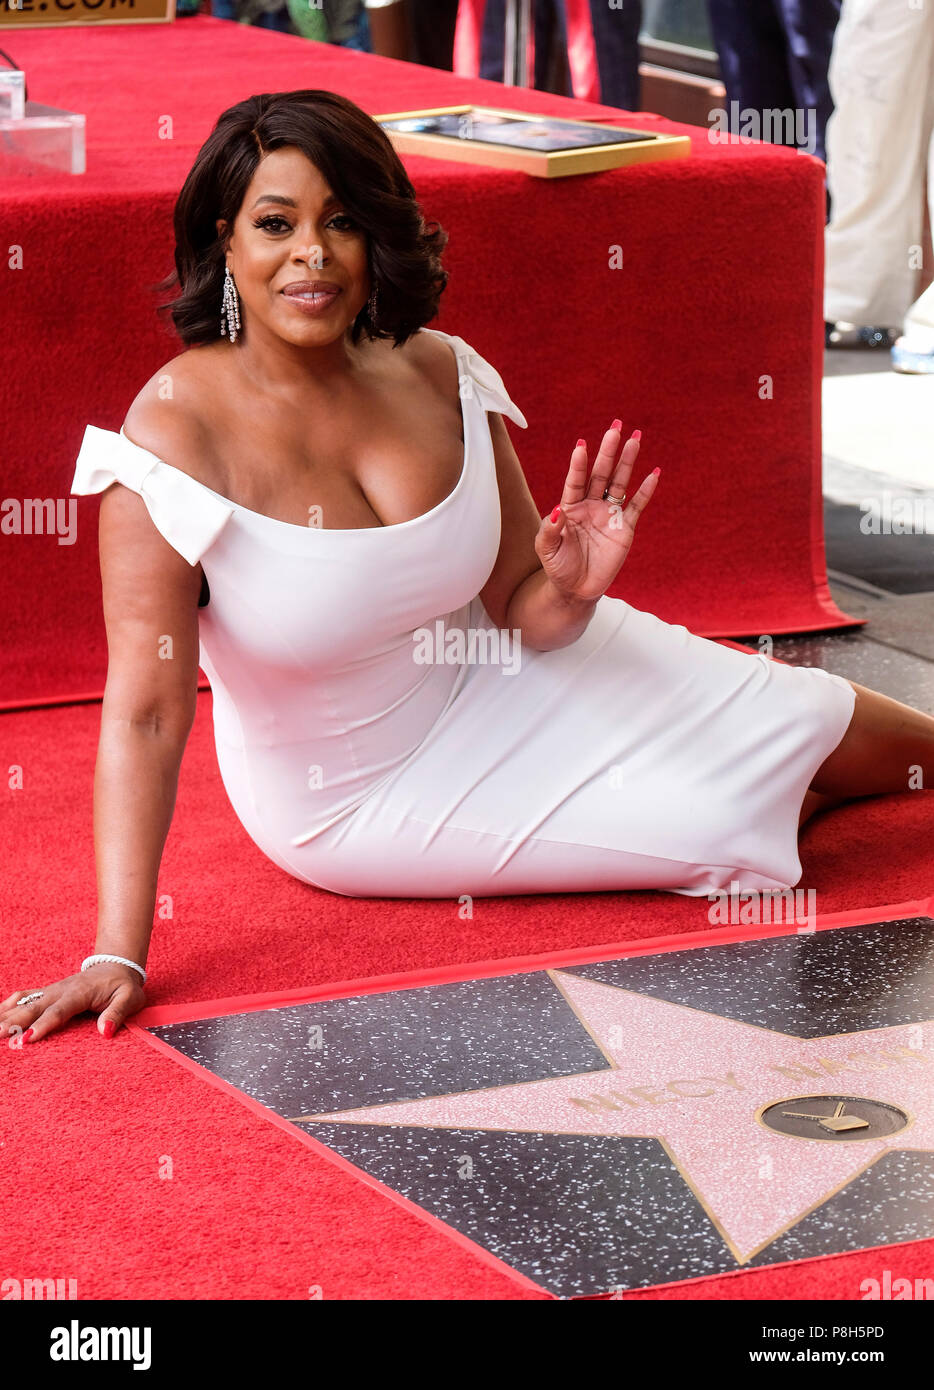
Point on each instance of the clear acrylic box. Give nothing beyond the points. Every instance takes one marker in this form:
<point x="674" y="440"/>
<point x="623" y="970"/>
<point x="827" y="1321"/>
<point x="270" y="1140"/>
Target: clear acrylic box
<point x="44" y="137"/>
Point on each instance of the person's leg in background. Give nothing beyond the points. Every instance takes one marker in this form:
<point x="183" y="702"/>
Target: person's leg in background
<point x="616" y="36"/>
<point x="492" y="52"/>
<point x="774" y="56"/>
<point x="914" y="353"/>
<point x="809" y="27"/>
<point x="880" y="76"/>
<point x="387" y="29"/>
<point x="753" y="53"/>
<point x="493" y="49"/>
<point x="551" y="38"/>
<point x="431" y="26"/>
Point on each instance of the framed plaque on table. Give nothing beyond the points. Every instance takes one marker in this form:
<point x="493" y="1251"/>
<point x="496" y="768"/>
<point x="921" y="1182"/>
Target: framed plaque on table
<point x="547" y="147"/>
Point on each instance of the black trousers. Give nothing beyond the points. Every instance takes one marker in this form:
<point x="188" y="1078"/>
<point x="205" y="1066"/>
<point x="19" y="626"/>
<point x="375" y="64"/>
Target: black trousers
<point x="431" y="31"/>
<point x="774" y="54"/>
<point x="616" y="37"/>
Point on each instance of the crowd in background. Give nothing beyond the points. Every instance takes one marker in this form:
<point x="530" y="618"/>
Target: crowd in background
<point x="861" y="70"/>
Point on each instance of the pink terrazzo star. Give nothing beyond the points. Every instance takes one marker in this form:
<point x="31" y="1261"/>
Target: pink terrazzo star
<point x="695" y="1081"/>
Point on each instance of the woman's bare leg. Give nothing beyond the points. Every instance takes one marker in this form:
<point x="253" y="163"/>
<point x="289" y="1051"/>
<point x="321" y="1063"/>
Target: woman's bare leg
<point x="888" y="747"/>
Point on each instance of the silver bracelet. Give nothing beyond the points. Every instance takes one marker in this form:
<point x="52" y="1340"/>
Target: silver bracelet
<point x="118" y="960"/>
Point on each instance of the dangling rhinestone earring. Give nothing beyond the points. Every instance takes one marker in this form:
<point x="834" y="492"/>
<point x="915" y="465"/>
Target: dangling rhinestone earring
<point x="230" y="308"/>
<point x="372" y="303"/>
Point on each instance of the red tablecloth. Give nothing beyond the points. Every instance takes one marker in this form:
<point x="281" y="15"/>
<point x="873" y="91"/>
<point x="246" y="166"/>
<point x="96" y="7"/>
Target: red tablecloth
<point x="720" y="288"/>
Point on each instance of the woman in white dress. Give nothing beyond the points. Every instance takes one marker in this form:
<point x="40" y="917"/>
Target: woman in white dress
<point x="420" y="686"/>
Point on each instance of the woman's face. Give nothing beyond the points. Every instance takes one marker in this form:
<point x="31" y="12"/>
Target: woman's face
<point x="291" y="232"/>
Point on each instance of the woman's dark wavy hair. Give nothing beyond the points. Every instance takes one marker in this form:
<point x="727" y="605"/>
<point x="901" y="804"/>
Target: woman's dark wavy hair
<point x="357" y="158"/>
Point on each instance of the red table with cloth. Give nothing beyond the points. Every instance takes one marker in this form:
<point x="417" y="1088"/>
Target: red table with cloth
<point x="708" y="339"/>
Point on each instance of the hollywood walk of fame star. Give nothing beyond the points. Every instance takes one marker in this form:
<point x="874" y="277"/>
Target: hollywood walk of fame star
<point x="698" y="1083"/>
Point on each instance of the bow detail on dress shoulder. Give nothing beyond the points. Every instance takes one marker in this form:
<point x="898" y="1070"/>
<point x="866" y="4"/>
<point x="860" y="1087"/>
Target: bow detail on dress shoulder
<point x="479" y="377"/>
<point x="184" y="511"/>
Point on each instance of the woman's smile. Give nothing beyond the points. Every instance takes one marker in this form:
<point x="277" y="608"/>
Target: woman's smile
<point x="313" y="297"/>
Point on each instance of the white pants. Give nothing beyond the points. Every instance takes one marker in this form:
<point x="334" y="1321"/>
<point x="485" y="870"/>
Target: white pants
<point x="878" y="139"/>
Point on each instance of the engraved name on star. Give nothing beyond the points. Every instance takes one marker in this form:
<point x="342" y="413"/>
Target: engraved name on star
<point x="695" y="1081"/>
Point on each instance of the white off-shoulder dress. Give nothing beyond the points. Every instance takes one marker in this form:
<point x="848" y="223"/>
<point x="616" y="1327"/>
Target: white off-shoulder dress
<point x="378" y="736"/>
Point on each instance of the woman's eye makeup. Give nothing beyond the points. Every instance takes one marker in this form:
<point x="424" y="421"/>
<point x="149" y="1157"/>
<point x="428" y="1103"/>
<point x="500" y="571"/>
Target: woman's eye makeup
<point x="271" y="224"/>
<point x="276" y="224"/>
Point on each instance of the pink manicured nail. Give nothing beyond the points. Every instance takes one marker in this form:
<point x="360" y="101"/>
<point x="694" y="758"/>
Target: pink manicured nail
<point x="616" y="425"/>
<point x="109" y="1028"/>
<point x="637" y="434"/>
<point x="28" y="1034"/>
<point x="555" y="514"/>
<point x="656" y="471"/>
<point x="582" y="444"/>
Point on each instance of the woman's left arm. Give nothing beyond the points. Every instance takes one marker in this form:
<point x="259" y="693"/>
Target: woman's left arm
<point x="549" y="575"/>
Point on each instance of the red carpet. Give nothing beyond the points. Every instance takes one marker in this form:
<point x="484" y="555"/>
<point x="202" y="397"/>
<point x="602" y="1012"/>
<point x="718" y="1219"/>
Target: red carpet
<point x="720" y="287"/>
<point x="88" y="1126"/>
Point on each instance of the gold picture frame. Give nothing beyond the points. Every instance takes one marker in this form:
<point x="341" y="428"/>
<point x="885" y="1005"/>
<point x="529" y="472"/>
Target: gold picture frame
<point x="541" y="163"/>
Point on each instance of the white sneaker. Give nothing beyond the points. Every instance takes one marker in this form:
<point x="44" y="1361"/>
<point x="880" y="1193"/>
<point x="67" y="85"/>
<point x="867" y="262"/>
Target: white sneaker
<point x="914" y="353"/>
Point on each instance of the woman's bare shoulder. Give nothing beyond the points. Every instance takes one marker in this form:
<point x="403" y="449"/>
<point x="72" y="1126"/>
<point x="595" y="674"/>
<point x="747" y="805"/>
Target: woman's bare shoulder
<point x="170" y="414"/>
<point x="437" y="361"/>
